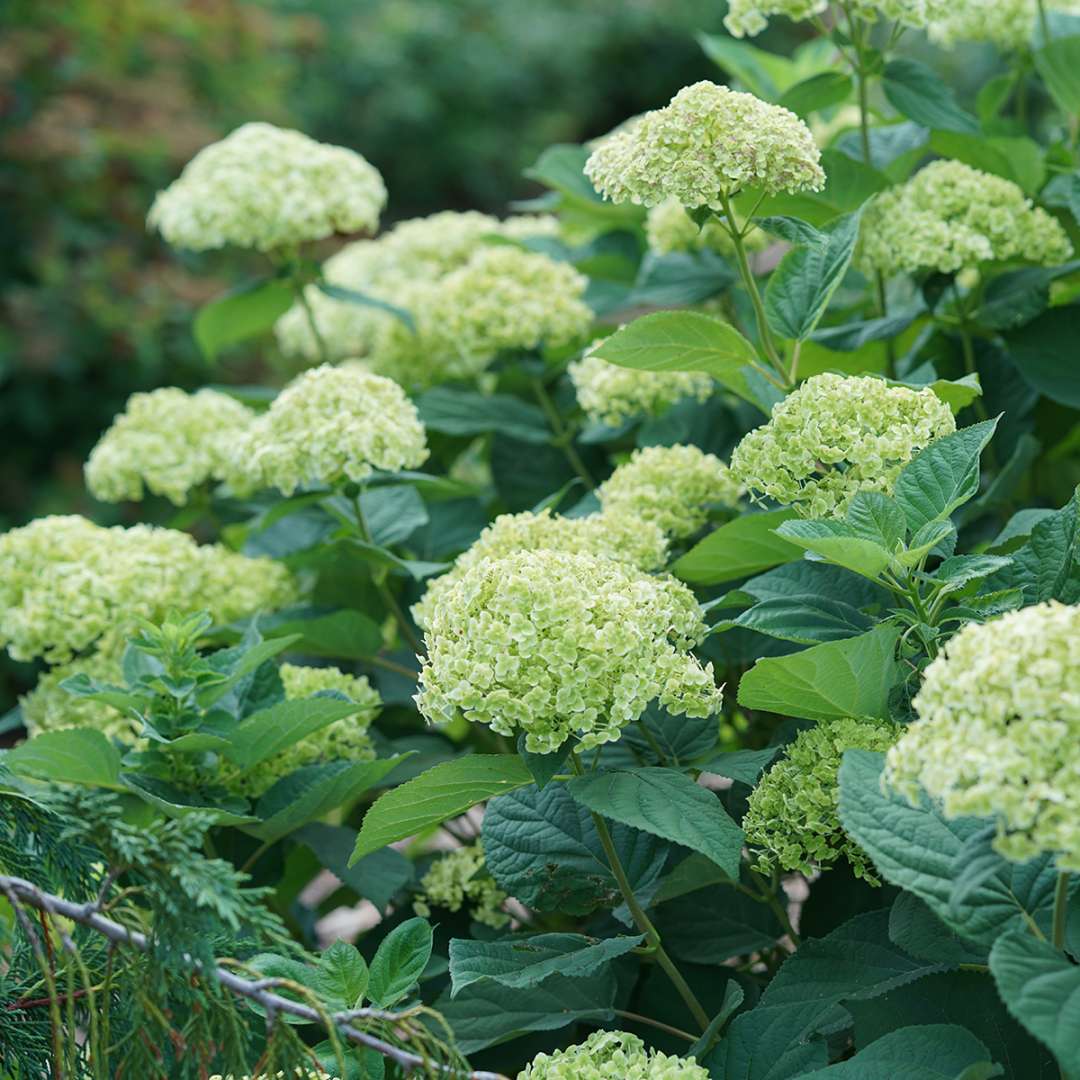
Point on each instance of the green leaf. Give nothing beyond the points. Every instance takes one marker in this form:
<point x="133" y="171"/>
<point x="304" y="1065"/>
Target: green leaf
<point x="313" y="791"/>
<point x="1017" y="159"/>
<point x="345" y="634"/>
<point x="521" y="962"/>
<point x="928" y="1052"/>
<point x="680" y="278"/>
<point x="175" y="803"/>
<point x="711" y="925"/>
<point x="1058" y="62"/>
<point x="801" y="287"/>
<point x="918" y="931"/>
<point x="683" y="341"/>
<point x="943" y="476"/>
<point x="341" y="977"/>
<point x="850" y="678"/>
<point x="1040" y="350"/>
<point x="401" y="957"/>
<point x="852" y="336"/>
<point x="742" y="547"/>
<point x="243" y="313"/>
<point x="393" y="512"/>
<point x="542" y="767"/>
<point x="454" y="411"/>
<point x="917" y="849"/>
<point x="442" y="792"/>
<point x="1013" y="299"/>
<point x="742" y="765"/>
<point x="266" y="733"/>
<point x="805" y="619"/>
<point x="362" y="299"/>
<point x="377" y="877"/>
<point x="694" y="873"/>
<point x="484" y="1014"/>
<point x="920" y="94"/>
<point x="818" y="92"/>
<point x="543" y="849"/>
<point x="667" y="804"/>
<point x="72" y="756"/>
<point x="835" y="542"/>
<point x="765" y="74"/>
<point x="1041" y="988"/>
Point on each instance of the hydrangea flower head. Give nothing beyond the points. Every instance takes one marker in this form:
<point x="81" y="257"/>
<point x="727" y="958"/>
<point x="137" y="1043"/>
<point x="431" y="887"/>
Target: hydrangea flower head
<point x="167" y="442"/>
<point x="346" y="739"/>
<point x="67" y="585"/>
<point x="610" y="394"/>
<point x="792" y="814"/>
<point x="837" y="435"/>
<point x="556" y="645"/>
<point x="612" y="1055"/>
<point x="1008" y="24"/>
<point x="458" y="878"/>
<point x="330" y="424"/>
<point x="48" y="707"/>
<point x="267" y="188"/>
<point x="747" y="18"/>
<point x="670" y="486"/>
<point x="949" y="216"/>
<point x="709" y="141"/>
<point x="998" y="733"/>
<point x="618" y="536"/>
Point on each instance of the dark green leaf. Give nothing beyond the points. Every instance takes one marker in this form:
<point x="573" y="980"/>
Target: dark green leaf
<point x="399" y="961"/>
<point x="818" y="92"/>
<point x="266" y="733"/>
<point x="455" y="411"/>
<point x="805" y="619"/>
<point x="920" y="94"/>
<point x="1058" y="62"/>
<point x="72" y="756"/>
<point x="738" y="549"/>
<point x="243" y="313"/>
<point x="1041" y="351"/>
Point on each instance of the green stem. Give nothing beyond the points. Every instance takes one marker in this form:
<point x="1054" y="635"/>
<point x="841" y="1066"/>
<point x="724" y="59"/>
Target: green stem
<point x="637" y="1018"/>
<point x="644" y="923"/>
<point x="1044" y="23"/>
<point x="320" y="342"/>
<point x="563" y="436"/>
<point x="392" y="665"/>
<point x="656" y="748"/>
<point x="747" y="275"/>
<point x="1061" y="910"/>
<point x="768" y="895"/>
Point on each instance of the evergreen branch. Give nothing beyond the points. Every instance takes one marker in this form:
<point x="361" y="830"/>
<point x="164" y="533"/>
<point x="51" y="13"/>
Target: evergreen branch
<point x="259" y="991"/>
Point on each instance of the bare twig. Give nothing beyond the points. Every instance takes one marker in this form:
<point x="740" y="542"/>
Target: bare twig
<point x="260" y="991"/>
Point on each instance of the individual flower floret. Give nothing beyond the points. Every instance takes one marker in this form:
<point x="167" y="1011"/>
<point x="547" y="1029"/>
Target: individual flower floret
<point x="710" y="141"/>
<point x="611" y="1055"/>
<point x="267" y="188"/>
<point x="505" y="298"/>
<point x="168" y="442"/>
<point x="998" y="733"/>
<point x="746" y="18"/>
<point x="668" y="228"/>
<point x="1008" y="24"/>
<point x="792" y="816"/>
<point x="613" y="535"/>
<point x="459" y="878"/>
<point x="67" y="585"/>
<point x="556" y="645"/>
<point x="949" y="216"/>
<point x="835" y="436"/>
<point x="670" y="486"/>
<point x="330" y="424"/>
<point x="346" y="739"/>
<point x="610" y="394"/>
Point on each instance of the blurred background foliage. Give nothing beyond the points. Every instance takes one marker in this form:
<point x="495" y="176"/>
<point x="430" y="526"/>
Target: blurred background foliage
<point x="103" y="101"/>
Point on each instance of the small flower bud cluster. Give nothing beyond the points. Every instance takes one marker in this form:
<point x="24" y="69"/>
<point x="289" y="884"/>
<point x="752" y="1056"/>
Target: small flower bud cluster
<point x="707" y="143"/>
<point x="329" y="425"/>
<point x="612" y="535"/>
<point x="610" y="394"/>
<point x="949" y="216"/>
<point x="671" y="487"/>
<point x="270" y="189"/>
<point x="555" y="645"/>
<point x="459" y="878"/>
<point x="835" y="436"/>
<point x="167" y="442"/>
<point x="998" y="733"/>
<point x="612" y="1055"/>
<point x="792" y="817"/>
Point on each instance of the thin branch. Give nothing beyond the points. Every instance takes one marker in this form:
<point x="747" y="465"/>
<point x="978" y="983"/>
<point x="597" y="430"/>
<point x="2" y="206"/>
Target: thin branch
<point x="259" y="991"/>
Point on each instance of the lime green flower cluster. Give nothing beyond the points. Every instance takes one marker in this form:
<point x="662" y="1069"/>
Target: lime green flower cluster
<point x="612" y="1055"/>
<point x="1008" y="24"/>
<point x="48" y="707"/>
<point x="458" y="878"/>
<point x="68" y="585"/>
<point x="610" y="394"/>
<point x="270" y="189"/>
<point x="668" y="228"/>
<point x="999" y="730"/>
<point x="328" y="425"/>
<point x="708" y="142"/>
<point x="792" y="819"/>
<point x="835" y="436"/>
<point x="404" y="268"/>
<point x="670" y="486"/>
<point x="346" y="739"/>
<point x="949" y="216"/>
<point x="612" y="535"/>
<point x="554" y="645"/>
<point x="167" y="442"/>
<point x="747" y="18"/>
